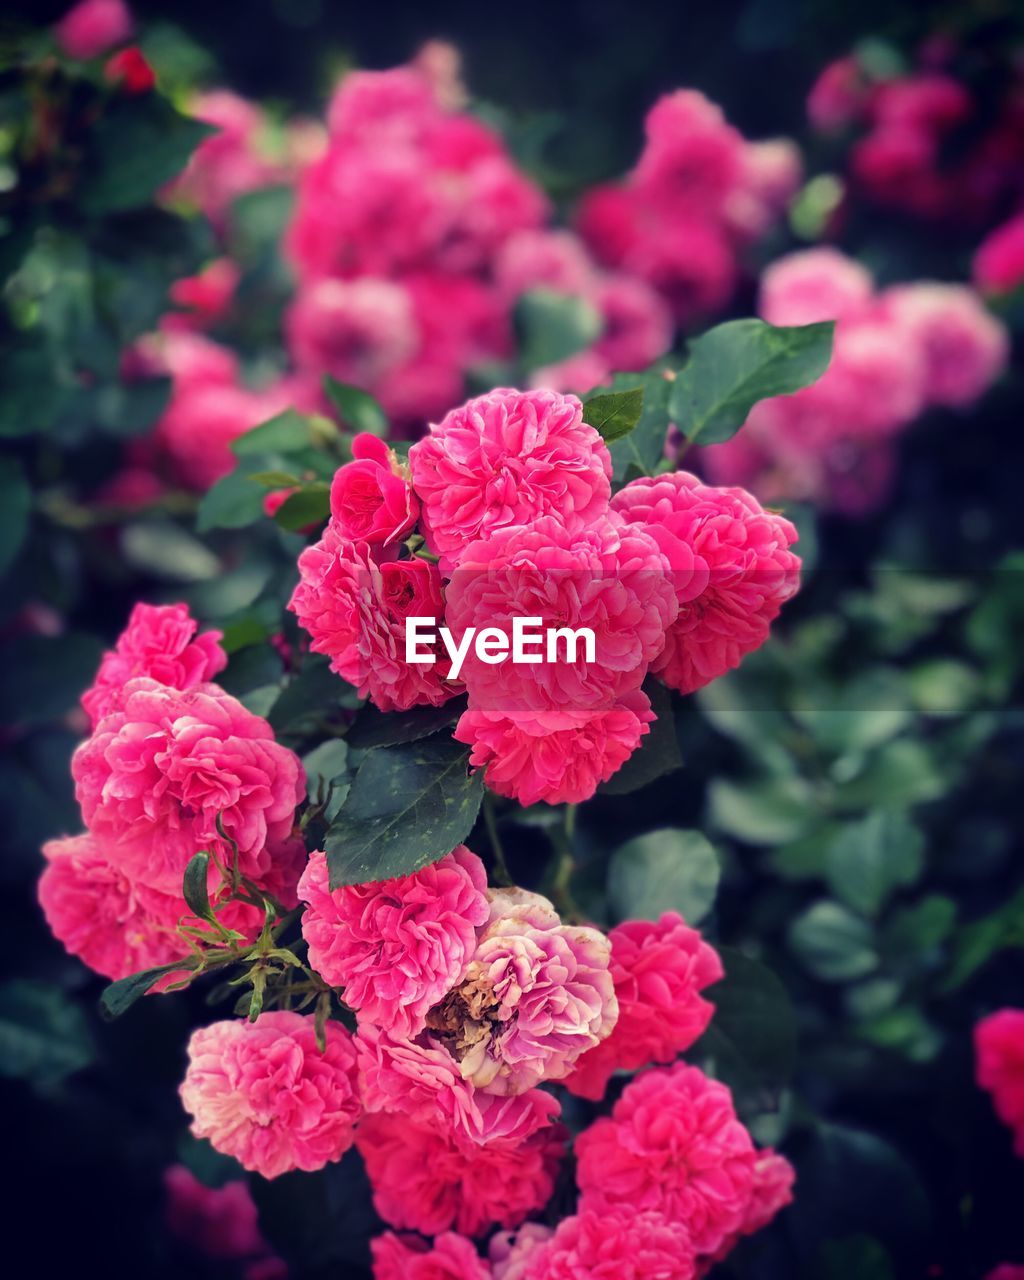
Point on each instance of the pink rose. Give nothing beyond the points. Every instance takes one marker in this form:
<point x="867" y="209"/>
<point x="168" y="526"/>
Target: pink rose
<point x="724" y="538"/>
<point x="355" y="607"/>
<point x="166" y="766"/>
<point x="839" y="96"/>
<point x="674" y="1146"/>
<point x="529" y="760"/>
<point x="207" y="296"/>
<point x="692" y="159"/>
<point x="358" y="331"/>
<point x="637" y="326"/>
<point x="159" y="641"/>
<point x="420" y="1079"/>
<point x="508" y="458"/>
<point x="396" y="946"/>
<point x="94" y="26"/>
<point x="425" y="1181"/>
<point x="999" y="1067"/>
<point x="619" y="1244"/>
<point x="371" y="499"/>
<point x="535" y="996"/>
<point x="999" y="260"/>
<point x="510" y="1251"/>
<point x="609" y="577"/>
<point x="264" y="1093"/>
<point x="449" y="1257"/>
<point x="219" y="1222"/>
<point x="812" y="285"/>
<point x="554" y="260"/>
<point x="659" y="970"/>
<point x="378" y="107"/>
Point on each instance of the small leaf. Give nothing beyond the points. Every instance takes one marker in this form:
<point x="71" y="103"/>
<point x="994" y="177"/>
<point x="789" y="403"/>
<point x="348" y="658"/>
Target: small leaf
<point x="667" y="870"/>
<point x="234" y="502"/>
<point x="614" y="414"/>
<point x="641" y="450"/>
<point x="409" y="805"/>
<point x="43" y="1036"/>
<point x="287" y="432"/>
<point x="275" y="479"/>
<point x="310" y="505"/>
<point x="357" y="408"/>
<point x="833" y="943"/>
<point x="870" y="859"/>
<point x="773" y="811"/>
<point x="553" y="326"/>
<point x="736" y="364"/>
<point x="121" y="995"/>
<point x="168" y="551"/>
<point x="194" y="885"/>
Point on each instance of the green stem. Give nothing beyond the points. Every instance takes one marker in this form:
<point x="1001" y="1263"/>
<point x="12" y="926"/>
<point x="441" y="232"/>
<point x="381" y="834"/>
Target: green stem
<point x="502" y="875"/>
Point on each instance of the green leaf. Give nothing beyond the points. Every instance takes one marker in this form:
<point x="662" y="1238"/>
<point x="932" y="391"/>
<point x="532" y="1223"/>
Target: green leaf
<point x="119" y="996"/>
<point x="658" y="752"/>
<point x="553" y="326"/>
<point x="310" y="505"/>
<point x="666" y="870"/>
<point x="287" y="432"/>
<point x="32" y="397"/>
<point x="898" y="775"/>
<point x="356" y="407"/>
<point x="913" y="933"/>
<point x="640" y="452"/>
<point x="234" y="502"/>
<point x="168" y="551"/>
<point x="977" y="942"/>
<point x="772" y="811"/>
<point x="327" y="767"/>
<point x="43" y="1036"/>
<point x="752" y="1038"/>
<point x="194" y="885"/>
<point x="870" y="859"/>
<point x="854" y="1258"/>
<point x="614" y="414"/>
<point x="833" y="943"/>
<point x="373" y="728"/>
<point x="736" y="364"/>
<point x="15" y="507"/>
<point x="138" y="145"/>
<point x="314" y="692"/>
<point x="409" y="805"/>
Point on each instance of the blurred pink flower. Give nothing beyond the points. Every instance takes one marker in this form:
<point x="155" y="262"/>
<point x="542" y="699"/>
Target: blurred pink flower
<point x="94" y="26"/>
<point x="616" y="1244"/>
<point x="999" y="1067"/>
<point x="219" y="1222"/>
<point x="448" y="1257"/>
<point x="999" y="259"/>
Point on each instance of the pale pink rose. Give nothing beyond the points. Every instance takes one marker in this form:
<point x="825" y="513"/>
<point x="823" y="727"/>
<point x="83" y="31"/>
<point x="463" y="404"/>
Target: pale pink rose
<point x="94" y="26"/>
<point x="219" y="1222"/>
<point x="692" y="160"/>
<point x="999" y="260"/>
<point x="264" y="1093"/>
<point x="509" y="1251"/>
<point x="554" y="260"/>
<point x="609" y="577"/>
<point x="355" y="610"/>
<point x="659" y="970"/>
<point x="839" y="96"/>
<point x="420" y="1079"/>
<point x="205" y="297"/>
<point x="507" y="458"/>
<point x="449" y="1257"/>
<point x="159" y="641"/>
<point x="617" y="1244"/>
<point x="740" y="550"/>
<point x="674" y="1146"/>
<point x="771" y="175"/>
<point x="875" y="384"/>
<point x="358" y="331"/>
<point x="371" y="498"/>
<point x="999" y="1067"/>
<point x="528" y="760"/>
<point x="396" y="946"/>
<point x="535" y="996"/>
<point x="166" y="766"/>
<point x="379" y="107"/>
<point x="111" y="924"/>
<point x="964" y="347"/>
<point x="637" y="326"/>
<point x="424" y="1181"/>
<point x="812" y="285"/>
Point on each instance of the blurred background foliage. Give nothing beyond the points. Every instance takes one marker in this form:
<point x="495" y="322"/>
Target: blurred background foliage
<point x="843" y="814"/>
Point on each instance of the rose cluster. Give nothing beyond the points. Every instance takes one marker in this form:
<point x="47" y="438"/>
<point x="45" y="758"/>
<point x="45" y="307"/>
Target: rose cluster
<point x="928" y="146"/>
<point x="174" y="765"/>
<point x="897" y="352"/>
<point x="999" y="1054"/>
<point x="470" y="1002"/>
<point x="511" y="497"/>
<point x="699" y="192"/>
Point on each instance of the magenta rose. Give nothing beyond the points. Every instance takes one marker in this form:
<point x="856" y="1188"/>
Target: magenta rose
<point x="371" y="498"/>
